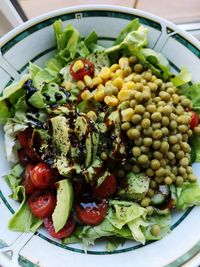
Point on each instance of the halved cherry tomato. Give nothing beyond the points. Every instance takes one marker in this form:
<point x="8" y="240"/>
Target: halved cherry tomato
<point x="91" y="210"/>
<point x="194" y="120"/>
<point x="42" y="204"/>
<point x="41" y="175"/>
<point x="28" y="184"/>
<point x="25" y="139"/>
<point x="66" y="231"/>
<point x="88" y="69"/>
<point x="107" y="188"/>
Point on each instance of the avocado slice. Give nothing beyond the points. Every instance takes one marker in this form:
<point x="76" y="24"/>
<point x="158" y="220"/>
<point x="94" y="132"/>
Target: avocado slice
<point x="134" y="186"/>
<point x="66" y="167"/>
<point x="64" y="203"/>
<point x="81" y="127"/>
<point x="61" y="131"/>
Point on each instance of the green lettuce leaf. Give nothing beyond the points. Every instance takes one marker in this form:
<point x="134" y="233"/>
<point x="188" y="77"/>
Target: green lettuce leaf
<point x="114" y="242"/>
<point x="5" y="113"/>
<point x="164" y="222"/>
<point x="182" y="78"/>
<point x="37" y="100"/>
<point x="192" y="92"/>
<point x="33" y="69"/>
<point x="41" y="78"/>
<point x="129" y="214"/>
<point x="133" y="41"/>
<point x="13" y="179"/>
<point x="132" y="26"/>
<point x="188" y="196"/>
<point x="14" y="89"/>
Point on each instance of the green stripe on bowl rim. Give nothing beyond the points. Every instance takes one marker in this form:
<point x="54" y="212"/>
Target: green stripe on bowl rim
<point x="96" y="13"/>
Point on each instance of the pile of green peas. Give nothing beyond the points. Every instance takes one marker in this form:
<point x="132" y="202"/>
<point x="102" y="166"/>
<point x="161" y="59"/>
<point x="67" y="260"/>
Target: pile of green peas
<point x="159" y="130"/>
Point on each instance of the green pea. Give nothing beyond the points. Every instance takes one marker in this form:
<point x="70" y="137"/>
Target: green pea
<point x="145" y="123"/>
<point x="104" y="156"/>
<point x="149" y="172"/>
<point x="192" y="178"/>
<point x="147" y="141"/>
<point x="145" y="202"/>
<point x="126" y="126"/>
<point x="150" y="210"/>
<point x="142" y="159"/>
<point x="156" y="116"/>
<point x="168" y="180"/>
<point x="136" y="151"/>
<point x="179" y="181"/>
<point x="155" y="230"/>
<point x="155" y="164"/>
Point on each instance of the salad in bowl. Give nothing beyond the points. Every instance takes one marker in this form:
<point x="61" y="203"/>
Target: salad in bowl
<point x="101" y="140"/>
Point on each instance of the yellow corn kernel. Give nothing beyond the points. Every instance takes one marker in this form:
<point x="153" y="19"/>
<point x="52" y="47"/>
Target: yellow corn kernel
<point x="78" y="65"/>
<point x="123" y="62"/>
<point x="130" y="85"/>
<point x="118" y="82"/>
<point x="114" y="67"/>
<point x="67" y="85"/>
<point x="99" y="95"/>
<point x="96" y="81"/>
<point x="92" y="115"/>
<point x="108" y="83"/>
<point x="129" y="78"/>
<point x="111" y="101"/>
<point x="127" y="114"/>
<point x="101" y="86"/>
<point x="124" y="95"/>
<point x="86" y="95"/>
<point x="105" y="73"/>
<point x="81" y="85"/>
<point x="118" y="74"/>
<point x="88" y="81"/>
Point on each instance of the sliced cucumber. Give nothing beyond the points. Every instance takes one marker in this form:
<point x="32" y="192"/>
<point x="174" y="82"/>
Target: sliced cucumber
<point x="100" y="60"/>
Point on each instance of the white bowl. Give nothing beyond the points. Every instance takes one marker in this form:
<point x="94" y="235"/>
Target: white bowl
<point x="34" y="41"/>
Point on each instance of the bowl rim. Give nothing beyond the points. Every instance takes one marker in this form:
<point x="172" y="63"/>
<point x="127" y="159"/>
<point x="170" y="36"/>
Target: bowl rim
<point x="163" y="22"/>
<point x="24" y="26"/>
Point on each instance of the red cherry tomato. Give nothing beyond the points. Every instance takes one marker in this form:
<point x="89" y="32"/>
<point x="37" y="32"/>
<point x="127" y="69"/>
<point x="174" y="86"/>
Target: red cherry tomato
<point x="28" y="184"/>
<point x="42" y="204"/>
<point x="24" y="136"/>
<point x="88" y="69"/>
<point x="66" y="231"/>
<point x="91" y="210"/>
<point x="107" y="188"/>
<point x="41" y="175"/>
<point x="194" y="120"/>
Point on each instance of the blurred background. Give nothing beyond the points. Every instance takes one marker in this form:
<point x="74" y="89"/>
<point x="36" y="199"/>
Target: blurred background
<point x="185" y="13"/>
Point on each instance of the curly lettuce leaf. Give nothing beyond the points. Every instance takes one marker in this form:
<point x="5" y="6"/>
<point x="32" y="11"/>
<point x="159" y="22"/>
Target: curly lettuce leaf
<point x="192" y="92"/>
<point x="133" y="41"/>
<point x="14" y="90"/>
<point x="5" y="113"/>
<point x="188" y="196"/>
<point x="182" y="78"/>
<point x="14" y="179"/>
